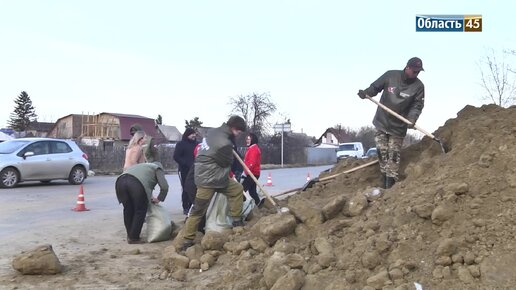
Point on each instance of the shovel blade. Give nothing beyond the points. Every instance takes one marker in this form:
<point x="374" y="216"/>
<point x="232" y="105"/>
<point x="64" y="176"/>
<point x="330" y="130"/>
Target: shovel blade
<point x="444" y="147"/>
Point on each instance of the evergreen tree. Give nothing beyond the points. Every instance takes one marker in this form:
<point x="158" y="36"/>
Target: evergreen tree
<point x="193" y="123"/>
<point x="159" y="120"/>
<point x="24" y="113"/>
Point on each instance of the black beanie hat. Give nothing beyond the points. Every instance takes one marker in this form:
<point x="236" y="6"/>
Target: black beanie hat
<point x="135" y="128"/>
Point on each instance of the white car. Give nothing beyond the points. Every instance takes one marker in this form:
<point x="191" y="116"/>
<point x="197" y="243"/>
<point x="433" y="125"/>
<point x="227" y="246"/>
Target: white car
<point x="350" y="149"/>
<point x="41" y="159"/>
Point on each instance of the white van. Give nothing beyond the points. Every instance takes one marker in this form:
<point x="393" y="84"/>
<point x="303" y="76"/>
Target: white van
<point x="351" y="149"/>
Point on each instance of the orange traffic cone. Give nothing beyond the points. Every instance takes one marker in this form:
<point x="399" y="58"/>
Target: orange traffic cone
<point x="308" y="177"/>
<point x="269" y="180"/>
<point x="80" y="201"/>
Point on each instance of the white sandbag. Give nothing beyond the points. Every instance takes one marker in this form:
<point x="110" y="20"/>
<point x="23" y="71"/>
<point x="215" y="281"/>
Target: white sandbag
<point x="217" y="217"/>
<point x="159" y="225"/>
<point x="247" y="207"/>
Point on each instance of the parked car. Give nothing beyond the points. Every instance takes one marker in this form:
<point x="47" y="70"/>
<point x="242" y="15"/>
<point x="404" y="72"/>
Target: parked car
<point x="41" y="159"/>
<point x="371" y="152"/>
<point x="351" y="149"/>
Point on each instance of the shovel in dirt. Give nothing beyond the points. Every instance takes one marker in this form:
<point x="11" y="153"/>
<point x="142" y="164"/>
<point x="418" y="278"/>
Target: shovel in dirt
<point x="278" y="209"/>
<point x="444" y="148"/>
<point x="313" y="181"/>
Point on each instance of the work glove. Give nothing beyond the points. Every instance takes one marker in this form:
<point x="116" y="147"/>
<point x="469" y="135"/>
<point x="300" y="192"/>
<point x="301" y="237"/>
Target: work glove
<point x="361" y="94"/>
<point x="411" y="125"/>
<point x="243" y="176"/>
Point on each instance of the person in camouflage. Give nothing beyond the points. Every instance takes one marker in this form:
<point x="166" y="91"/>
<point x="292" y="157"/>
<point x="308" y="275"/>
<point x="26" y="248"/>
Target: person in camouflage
<point x="403" y="93"/>
<point x="212" y="174"/>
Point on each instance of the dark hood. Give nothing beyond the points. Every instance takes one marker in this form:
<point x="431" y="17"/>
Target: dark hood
<point x="188" y="132"/>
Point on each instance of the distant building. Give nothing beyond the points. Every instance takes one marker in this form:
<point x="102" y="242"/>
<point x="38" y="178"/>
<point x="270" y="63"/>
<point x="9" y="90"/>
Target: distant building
<point x="171" y="133"/>
<point x="7" y="131"/>
<point x="333" y="136"/>
<point x="39" y="129"/>
<point x="104" y="129"/>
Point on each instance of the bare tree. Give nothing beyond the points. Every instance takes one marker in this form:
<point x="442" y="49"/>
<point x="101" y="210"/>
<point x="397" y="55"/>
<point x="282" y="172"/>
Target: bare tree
<point x="497" y="80"/>
<point x="255" y="109"/>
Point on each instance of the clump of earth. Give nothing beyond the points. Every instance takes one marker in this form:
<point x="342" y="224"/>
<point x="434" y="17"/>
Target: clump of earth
<point x="448" y="223"/>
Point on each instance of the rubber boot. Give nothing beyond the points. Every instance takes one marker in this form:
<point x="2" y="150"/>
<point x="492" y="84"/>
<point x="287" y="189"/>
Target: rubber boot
<point x="238" y="222"/>
<point x="389" y="182"/>
<point x="186" y="244"/>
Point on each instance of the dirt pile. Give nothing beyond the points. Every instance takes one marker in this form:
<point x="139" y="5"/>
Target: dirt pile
<point x="449" y="223"/>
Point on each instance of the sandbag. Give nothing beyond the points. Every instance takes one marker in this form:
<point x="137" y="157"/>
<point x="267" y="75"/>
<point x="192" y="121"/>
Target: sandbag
<point x="159" y="225"/>
<point x="247" y="207"/>
<point x="217" y="217"/>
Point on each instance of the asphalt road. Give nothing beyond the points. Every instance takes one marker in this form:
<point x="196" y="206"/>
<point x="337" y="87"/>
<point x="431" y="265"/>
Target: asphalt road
<point x="42" y="212"/>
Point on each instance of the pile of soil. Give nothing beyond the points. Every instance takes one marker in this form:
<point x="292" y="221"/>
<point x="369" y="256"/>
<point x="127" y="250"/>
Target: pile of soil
<point x="448" y="223"/>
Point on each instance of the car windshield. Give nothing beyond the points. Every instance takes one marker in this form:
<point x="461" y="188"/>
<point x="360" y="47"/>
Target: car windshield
<point x="8" y="147"/>
<point x="346" y="147"/>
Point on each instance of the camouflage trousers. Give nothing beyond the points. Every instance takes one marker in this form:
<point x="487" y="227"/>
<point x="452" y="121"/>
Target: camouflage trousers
<point x="388" y="148"/>
<point x="233" y="191"/>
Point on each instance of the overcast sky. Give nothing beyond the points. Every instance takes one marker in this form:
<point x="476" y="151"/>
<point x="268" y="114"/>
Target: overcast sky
<point x="185" y="59"/>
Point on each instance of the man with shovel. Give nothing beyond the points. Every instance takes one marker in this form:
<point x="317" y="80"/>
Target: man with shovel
<point x="404" y="94"/>
<point x="211" y="174"/>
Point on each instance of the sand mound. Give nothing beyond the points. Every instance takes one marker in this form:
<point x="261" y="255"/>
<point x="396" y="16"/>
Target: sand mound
<point x="449" y="223"/>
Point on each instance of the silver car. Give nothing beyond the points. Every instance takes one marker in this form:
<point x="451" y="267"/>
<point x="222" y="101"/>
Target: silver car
<point x="41" y="159"/>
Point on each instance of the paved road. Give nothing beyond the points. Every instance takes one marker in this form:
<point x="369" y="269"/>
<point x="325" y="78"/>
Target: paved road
<point x="39" y="209"/>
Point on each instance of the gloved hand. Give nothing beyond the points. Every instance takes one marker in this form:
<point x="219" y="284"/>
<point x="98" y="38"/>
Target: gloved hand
<point x="361" y="94"/>
<point x="411" y="125"/>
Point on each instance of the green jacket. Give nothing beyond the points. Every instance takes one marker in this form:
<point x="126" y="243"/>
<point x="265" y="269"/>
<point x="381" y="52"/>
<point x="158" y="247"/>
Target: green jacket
<point x="404" y="96"/>
<point x="150" y="174"/>
<point x="214" y="159"/>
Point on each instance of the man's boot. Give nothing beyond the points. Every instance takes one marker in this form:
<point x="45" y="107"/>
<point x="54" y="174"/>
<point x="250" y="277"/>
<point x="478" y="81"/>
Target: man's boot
<point x="186" y="244"/>
<point x="389" y="182"/>
<point x="238" y="222"/>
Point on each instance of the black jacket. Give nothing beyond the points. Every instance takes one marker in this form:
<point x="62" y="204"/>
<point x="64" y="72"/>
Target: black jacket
<point x="404" y="96"/>
<point x="184" y="153"/>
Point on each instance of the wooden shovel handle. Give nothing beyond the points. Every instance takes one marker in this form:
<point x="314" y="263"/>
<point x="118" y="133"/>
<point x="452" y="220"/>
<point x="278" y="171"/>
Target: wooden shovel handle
<point x="254" y="178"/>
<point x="332" y="176"/>
<point x="349" y="170"/>
<point x="400" y="117"/>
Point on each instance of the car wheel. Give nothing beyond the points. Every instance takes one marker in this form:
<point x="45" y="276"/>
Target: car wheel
<point x="77" y="175"/>
<point x="9" y="177"/>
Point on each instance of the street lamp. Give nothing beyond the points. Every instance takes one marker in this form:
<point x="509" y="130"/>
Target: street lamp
<point x="280" y="128"/>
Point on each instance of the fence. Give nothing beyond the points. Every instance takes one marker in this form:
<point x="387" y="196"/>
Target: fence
<point x="106" y="161"/>
<point x="320" y="156"/>
<point x="111" y="160"/>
